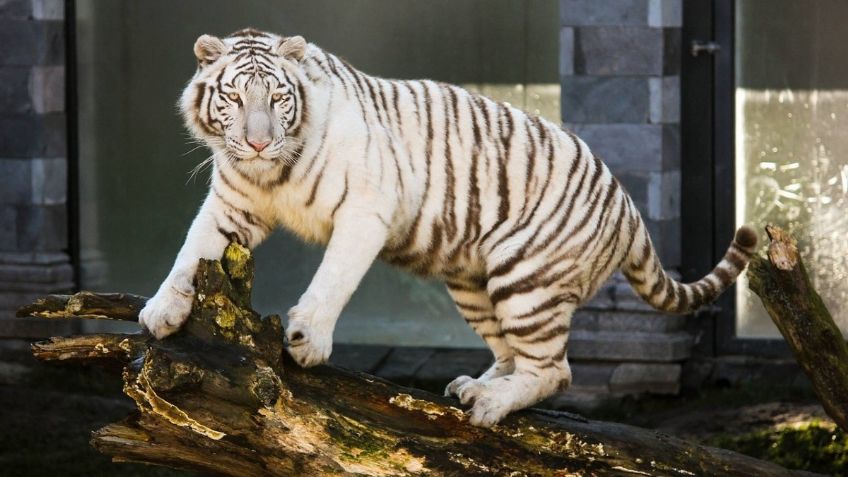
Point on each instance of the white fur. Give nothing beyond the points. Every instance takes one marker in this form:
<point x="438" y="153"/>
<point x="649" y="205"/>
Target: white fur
<point x="446" y="184"/>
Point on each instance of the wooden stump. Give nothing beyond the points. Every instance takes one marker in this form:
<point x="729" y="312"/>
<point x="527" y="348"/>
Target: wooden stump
<point x="782" y="283"/>
<point x="222" y="396"/>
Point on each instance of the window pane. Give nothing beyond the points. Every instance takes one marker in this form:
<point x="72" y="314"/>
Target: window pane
<point x="137" y="199"/>
<point x="791" y="142"/>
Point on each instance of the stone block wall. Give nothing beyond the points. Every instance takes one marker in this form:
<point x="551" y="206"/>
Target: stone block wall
<point x="620" y="71"/>
<point x="33" y="164"/>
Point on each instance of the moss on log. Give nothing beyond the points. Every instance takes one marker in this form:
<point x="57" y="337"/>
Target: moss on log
<point x="222" y="396"/>
<point x="782" y="283"/>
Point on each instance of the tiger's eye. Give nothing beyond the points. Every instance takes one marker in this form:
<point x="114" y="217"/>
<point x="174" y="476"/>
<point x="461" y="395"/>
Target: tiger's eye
<point x="276" y="96"/>
<point x="234" y="96"/>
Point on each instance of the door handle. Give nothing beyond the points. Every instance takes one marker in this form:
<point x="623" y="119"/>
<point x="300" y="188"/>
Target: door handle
<point x="708" y="47"/>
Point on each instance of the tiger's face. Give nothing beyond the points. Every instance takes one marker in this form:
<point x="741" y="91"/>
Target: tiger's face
<point x="246" y="99"/>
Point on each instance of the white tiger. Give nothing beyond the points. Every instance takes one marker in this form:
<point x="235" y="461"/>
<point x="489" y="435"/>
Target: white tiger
<point x="517" y="216"/>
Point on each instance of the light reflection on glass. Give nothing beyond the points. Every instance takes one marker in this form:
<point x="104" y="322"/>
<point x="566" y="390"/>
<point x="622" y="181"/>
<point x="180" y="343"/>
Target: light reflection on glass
<point x="792" y="170"/>
<point x="541" y="99"/>
<point x="791" y="147"/>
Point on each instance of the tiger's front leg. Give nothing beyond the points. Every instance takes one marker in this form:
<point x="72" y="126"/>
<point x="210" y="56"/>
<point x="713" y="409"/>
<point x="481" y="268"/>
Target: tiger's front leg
<point x="358" y="236"/>
<point x="222" y="217"/>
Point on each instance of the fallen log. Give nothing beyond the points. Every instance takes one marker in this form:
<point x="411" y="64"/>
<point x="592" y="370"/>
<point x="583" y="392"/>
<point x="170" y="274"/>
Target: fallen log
<point x="222" y="396"/>
<point x="782" y="283"/>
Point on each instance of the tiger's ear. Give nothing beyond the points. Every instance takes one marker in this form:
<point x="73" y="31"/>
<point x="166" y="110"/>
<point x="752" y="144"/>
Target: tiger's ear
<point x="208" y="48"/>
<point x="292" y="48"/>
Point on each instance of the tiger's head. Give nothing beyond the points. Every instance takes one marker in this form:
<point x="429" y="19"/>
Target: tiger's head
<point x="246" y="100"/>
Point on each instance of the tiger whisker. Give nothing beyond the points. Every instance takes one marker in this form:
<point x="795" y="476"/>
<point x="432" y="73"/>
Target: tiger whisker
<point x="200" y="166"/>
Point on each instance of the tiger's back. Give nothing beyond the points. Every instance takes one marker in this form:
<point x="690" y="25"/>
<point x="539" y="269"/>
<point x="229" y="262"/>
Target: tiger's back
<point x="479" y="178"/>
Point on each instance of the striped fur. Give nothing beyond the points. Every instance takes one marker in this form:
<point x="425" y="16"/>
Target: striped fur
<point x="516" y="215"/>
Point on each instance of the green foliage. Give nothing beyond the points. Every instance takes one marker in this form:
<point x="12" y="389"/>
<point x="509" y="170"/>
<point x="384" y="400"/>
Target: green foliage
<point x="815" y="446"/>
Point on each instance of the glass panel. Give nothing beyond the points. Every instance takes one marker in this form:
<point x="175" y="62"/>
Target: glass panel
<point x="791" y="146"/>
<point x="137" y="199"/>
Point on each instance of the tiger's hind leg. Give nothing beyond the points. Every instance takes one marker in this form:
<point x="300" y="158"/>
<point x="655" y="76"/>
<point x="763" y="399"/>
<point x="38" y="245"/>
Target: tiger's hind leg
<point x="476" y="308"/>
<point x="535" y="324"/>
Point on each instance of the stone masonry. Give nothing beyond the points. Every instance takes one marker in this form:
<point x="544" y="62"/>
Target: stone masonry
<point x="620" y="69"/>
<point x="619" y="65"/>
<point x="33" y="165"/>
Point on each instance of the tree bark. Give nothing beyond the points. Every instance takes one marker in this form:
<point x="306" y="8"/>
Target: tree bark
<point x="782" y="283"/>
<point x="222" y="396"/>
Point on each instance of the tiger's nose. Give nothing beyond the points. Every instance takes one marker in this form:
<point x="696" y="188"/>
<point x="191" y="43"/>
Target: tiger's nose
<point x="258" y="146"/>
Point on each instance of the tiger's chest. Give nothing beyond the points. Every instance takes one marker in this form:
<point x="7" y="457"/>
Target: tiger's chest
<point x="311" y="223"/>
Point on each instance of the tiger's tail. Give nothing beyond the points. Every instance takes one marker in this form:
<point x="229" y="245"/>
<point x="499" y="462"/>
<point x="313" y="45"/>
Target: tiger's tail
<point x="646" y="275"/>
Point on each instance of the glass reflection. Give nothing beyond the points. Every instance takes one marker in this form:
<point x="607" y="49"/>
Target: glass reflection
<point x="791" y="146"/>
<point x="137" y="201"/>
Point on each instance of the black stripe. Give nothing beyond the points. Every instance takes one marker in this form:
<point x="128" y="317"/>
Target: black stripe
<point x="682" y="300"/>
<point x="448" y="212"/>
<point x="472" y="222"/>
<point x="231" y="236"/>
<point x="527" y="330"/>
<point x="508" y="265"/>
<point x="229" y="184"/>
<point x="341" y="200"/>
<point x="523" y="224"/>
<point x="546" y="305"/>
<point x="527" y="355"/>
<point x="471" y="307"/>
<point x="315" y="185"/>
<point x="555" y="332"/>
<point x="504" y="148"/>
<point x="737" y="262"/>
<point x="248" y="217"/>
<point x="479" y="319"/>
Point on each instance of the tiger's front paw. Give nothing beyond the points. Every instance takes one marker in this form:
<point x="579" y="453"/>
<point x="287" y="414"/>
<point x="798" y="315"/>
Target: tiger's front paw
<point x="310" y="335"/>
<point x="163" y="314"/>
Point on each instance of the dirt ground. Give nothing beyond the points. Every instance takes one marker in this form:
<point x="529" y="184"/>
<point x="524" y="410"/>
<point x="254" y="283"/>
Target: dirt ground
<point x="49" y="411"/>
<point x="704" y="424"/>
<point x="783" y="425"/>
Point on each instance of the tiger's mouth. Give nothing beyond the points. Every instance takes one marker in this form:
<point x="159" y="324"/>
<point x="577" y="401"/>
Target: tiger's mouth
<point x="258" y="163"/>
<point x="257" y="158"/>
<point x="240" y="156"/>
<point x="266" y="159"/>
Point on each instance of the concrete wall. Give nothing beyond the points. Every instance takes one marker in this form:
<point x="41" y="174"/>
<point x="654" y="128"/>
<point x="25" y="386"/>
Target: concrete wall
<point x="33" y="165"/>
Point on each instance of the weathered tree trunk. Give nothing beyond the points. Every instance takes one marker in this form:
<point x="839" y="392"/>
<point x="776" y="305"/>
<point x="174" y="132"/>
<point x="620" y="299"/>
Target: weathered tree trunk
<point x="799" y="313"/>
<point x="221" y="396"/>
